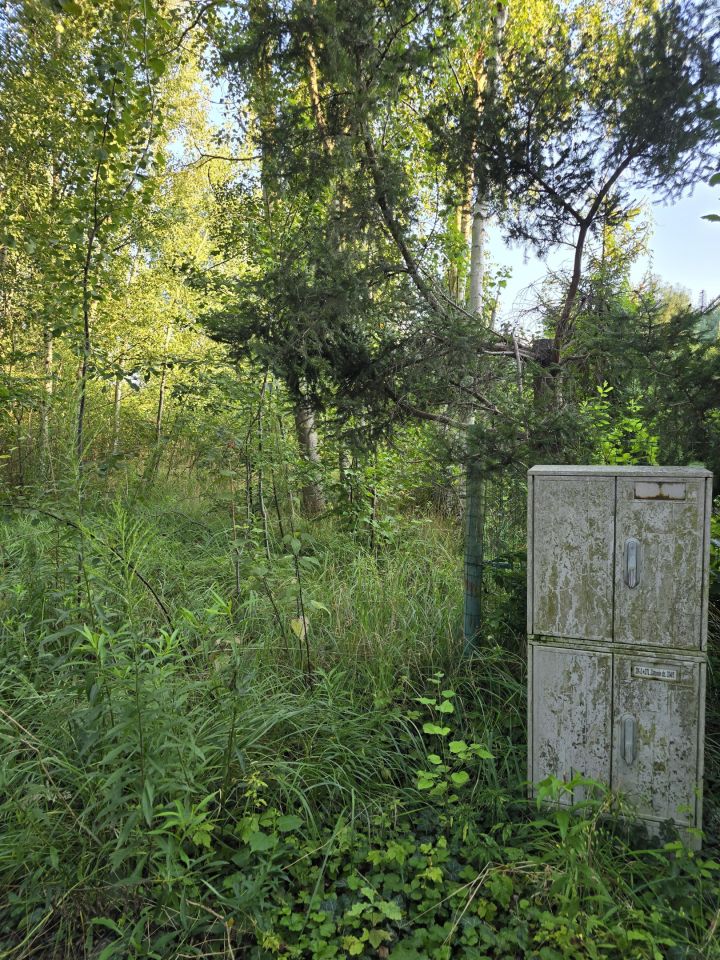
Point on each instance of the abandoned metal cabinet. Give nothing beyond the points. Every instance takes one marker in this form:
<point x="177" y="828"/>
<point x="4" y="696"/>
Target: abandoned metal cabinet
<point x="617" y="620"/>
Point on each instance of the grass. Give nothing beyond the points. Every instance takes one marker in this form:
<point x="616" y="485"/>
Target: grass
<point x="177" y="780"/>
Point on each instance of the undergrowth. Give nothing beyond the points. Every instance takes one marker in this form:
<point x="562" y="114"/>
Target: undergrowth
<point x="212" y="748"/>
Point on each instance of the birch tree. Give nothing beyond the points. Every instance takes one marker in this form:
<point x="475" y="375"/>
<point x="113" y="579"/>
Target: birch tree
<point x="100" y="123"/>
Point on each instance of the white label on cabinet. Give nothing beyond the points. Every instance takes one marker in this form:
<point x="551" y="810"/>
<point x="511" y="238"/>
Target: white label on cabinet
<point x="654" y="673"/>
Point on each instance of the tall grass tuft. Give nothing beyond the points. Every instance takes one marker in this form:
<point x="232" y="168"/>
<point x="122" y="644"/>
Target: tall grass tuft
<point x="196" y="740"/>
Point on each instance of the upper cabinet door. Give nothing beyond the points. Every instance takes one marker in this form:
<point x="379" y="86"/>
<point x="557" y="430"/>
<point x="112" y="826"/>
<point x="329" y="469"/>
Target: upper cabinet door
<point x="660" y="543"/>
<point x="571" y="588"/>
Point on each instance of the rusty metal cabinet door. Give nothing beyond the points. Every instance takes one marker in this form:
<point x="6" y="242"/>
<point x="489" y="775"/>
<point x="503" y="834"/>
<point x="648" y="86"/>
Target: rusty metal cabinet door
<point x="569" y="713"/>
<point x="659" y="562"/>
<point x="572" y="523"/>
<point x="656" y="754"/>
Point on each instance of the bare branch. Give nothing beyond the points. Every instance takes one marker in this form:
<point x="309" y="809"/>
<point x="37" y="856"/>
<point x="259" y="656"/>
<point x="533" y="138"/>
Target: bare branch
<point x="420" y="414"/>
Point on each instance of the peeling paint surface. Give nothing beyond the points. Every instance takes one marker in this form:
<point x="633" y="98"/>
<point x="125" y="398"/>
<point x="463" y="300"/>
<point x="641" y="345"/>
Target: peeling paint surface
<point x="661" y="779"/>
<point x="617" y="591"/>
<point x="571" y="717"/>
<point x="573" y="534"/>
<point x="665" y="608"/>
<point x="647" y="490"/>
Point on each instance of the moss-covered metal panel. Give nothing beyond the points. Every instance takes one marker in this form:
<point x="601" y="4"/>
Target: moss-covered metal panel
<point x="617" y="603"/>
<point x="570" y="713"/>
<point x="573" y="556"/>
<point x="656" y="722"/>
<point x="666" y="519"/>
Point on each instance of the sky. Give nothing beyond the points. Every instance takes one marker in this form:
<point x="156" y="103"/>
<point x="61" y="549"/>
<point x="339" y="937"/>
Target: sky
<point x="684" y="251"/>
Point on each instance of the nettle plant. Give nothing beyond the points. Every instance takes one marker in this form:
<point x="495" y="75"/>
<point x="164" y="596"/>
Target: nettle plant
<point x="454" y="764"/>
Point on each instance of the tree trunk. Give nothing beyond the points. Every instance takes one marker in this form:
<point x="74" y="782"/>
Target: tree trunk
<point x="87" y="312"/>
<point x="564" y="324"/>
<point x="261" y="464"/>
<point x="465" y="222"/>
<point x="48" y="345"/>
<point x="117" y="398"/>
<point x="163" y="384"/>
<point x="545" y="397"/>
<point x="474" y="479"/>
<point x="160" y="406"/>
<point x="344" y="467"/>
<point x="477" y="256"/>
<point x="314" y="90"/>
<point x="454" y="275"/>
<point x="311" y="494"/>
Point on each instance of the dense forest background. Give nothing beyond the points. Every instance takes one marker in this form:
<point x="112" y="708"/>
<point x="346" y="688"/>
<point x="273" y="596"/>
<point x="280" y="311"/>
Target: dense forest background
<point x="263" y="457"/>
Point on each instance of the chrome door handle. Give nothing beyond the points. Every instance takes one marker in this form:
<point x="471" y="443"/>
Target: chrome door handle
<point x="628" y="733"/>
<point x="632" y="562"/>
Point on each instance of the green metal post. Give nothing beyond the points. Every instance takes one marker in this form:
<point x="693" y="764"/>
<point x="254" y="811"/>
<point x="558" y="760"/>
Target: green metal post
<point x="474" y="523"/>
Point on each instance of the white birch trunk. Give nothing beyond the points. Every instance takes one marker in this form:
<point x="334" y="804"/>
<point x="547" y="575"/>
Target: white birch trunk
<point x="477" y="257"/>
<point x="313" y="500"/>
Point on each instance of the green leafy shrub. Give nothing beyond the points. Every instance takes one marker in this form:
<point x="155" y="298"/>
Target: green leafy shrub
<point x="619" y="435"/>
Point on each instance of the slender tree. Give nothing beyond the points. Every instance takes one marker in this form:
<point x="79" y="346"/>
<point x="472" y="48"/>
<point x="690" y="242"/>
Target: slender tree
<point x="613" y="98"/>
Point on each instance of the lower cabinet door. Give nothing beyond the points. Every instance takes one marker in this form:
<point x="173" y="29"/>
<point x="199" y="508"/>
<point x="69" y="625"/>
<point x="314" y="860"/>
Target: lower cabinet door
<point x="656" y="717"/>
<point x="569" y="714"/>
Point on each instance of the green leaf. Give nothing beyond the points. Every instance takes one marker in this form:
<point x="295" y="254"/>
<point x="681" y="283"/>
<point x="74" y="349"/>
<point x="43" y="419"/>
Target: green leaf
<point x="315" y="605"/>
<point x="376" y="937"/>
<point x="202" y="837"/>
<point x="288" y="822"/>
<point x="715" y="179"/>
<point x="563" y="822"/>
<point x="713" y="217"/>
<point x="458" y="746"/>
<point x="436" y="730"/>
<point x="112" y="950"/>
<point x="260" y="841"/>
<point x="460" y="777"/>
<point x="146" y="802"/>
<point x="426" y="781"/>
<point x="446" y="707"/>
<point x="391" y="910"/>
<point x="105" y="922"/>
